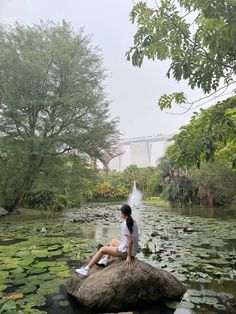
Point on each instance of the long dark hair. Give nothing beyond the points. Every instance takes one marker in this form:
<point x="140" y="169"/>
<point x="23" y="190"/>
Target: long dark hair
<point x="126" y="210"/>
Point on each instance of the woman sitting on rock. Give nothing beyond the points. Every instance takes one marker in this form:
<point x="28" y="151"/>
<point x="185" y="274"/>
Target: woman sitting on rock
<point x="126" y="248"/>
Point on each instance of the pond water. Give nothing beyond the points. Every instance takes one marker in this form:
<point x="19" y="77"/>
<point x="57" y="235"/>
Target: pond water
<point x="197" y="245"/>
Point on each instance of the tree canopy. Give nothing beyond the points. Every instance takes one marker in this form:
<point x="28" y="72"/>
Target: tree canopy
<point x="210" y="133"/>
<point x="197" y="36"/>
<point x="52" y="101"/>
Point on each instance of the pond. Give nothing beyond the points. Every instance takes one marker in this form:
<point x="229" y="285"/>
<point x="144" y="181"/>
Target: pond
<point x="38" y="254"/>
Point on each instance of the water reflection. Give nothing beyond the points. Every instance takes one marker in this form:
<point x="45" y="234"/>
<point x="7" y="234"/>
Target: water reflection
<point x="75" y="308"/>
<point x="205" y="212"/>
<point x="104" y="233"/>
<point x="6" y="242"/>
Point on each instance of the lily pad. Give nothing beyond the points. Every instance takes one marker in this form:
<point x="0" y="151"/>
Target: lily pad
<point x="13" y="296"/>
<point x="172" y="304"/>
<point x="186" y="305"/>
<point x="28" y="289"/>
<point x="55" y="248"/>
<point x="64" y="303"/>
<point x="3" y="287"/>
<point x="34" y="270"/>
<point x="36" y="299"/>
<point x="210" y="300"/>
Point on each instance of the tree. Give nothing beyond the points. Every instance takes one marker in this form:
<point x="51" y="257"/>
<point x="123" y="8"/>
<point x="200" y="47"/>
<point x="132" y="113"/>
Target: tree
<point x="210" y="133"/>
<point x="215" y="177"/>
<point x="177" y="187"/>
<point x="52" y="101"/>
<point x="198" y="36"/>
<point x="65" y="180"/>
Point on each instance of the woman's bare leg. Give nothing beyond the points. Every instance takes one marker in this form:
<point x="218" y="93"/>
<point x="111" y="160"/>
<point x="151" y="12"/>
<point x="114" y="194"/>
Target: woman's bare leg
<point x="105" y="250"/>
<point x="113" y="243"/>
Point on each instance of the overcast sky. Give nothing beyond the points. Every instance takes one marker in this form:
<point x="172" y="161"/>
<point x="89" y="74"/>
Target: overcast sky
<point x="133" y="91"/>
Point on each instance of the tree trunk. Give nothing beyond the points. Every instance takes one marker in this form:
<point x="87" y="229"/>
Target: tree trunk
<point x="31" y="172"/>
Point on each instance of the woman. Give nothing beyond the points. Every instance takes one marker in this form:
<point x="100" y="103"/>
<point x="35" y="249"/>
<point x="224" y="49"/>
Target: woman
<point x="126" y="248"/>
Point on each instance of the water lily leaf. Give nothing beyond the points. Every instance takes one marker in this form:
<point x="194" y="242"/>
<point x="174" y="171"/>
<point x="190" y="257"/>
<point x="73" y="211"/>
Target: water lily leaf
<point x="64" y="303"/>
<point x="65" y="273"/>
<point x="19" y="281"/>
<point x="58" y="268"/>
<point x="42" y="264"/>
<point x="3" y="287"/>
<point x="28" y="289"/>
<point x="4" y="308"/>
<point x="33" y="280"/>
<point x="36" y="300"/>
<point x="208" y="292"/>
<point x="202" y="280"/>
<point x="55" y="253"/>
<point x="40" y="253"/>
<point x="58" y="297"/>
<point x="13" y="296"/>
<point x="197" y="300"/>
<point x="26" y="261"/>
<point x="219" y="261"/>
<point x="35" y="311"/>
<point x="53" y="283"/>
<point x="172" y="304"/>
<point x="210" y="300"/>
<point x="47" y="276"/>
<point x="225" y="295"/>
<point x="55" y="248"/>
<point x="211" y="269"/>
<point x="49" y="290"/>
<point x="4" y="281"/>
<point x="23" y="254"/>
<point x="4" y="273"/>
<point x="33" y="270"/>
<point x="186" y="305"/>
<point x="194" y="292"/>
<point x="220" y="307"/>
<point x="18" y="270"/>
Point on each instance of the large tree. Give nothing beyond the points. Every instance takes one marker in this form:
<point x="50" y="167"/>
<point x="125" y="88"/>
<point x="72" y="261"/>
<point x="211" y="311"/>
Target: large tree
<point x="51" y="101"/>
<point x="210" y="133"/>
<point x="197" y="36"/>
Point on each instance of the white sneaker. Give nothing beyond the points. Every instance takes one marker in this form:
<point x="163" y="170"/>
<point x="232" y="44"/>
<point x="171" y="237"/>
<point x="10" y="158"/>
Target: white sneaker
<point x="103" y="262"/>
<point x="82" y="271"/>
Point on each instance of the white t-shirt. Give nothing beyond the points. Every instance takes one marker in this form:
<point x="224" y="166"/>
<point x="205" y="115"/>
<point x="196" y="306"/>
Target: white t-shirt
<point x="123" y="247"/>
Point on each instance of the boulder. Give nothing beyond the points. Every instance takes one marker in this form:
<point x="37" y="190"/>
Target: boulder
<point x="119" y="287"/>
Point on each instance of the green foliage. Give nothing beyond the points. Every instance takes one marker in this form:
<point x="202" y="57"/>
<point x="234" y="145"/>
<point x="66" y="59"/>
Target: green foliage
<point x="131" y="174"/>
<point x="198" y="36"/>
<point x="145" y="178"/>
<point x="218" y="178"/>
<point x="210" y="134"/>
<point x="177" y="188"/>
<point x="154" y="184"/>
<point x="203" y="158"/>
<point x="118" y="185"/>
<point x="179" y="191"/>
<point x="51" y="102"/>
<point x="111" y="186"/>
<point x="166" y="100"/>
<point x="63" y="181"/>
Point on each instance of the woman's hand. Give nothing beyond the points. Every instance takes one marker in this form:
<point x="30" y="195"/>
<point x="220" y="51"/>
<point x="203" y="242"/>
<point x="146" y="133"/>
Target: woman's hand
<point x="128" y="261"/>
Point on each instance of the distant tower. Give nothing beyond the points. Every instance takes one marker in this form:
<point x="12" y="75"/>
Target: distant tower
<point x="116" y="163"/>
<point x="140" y="154"/>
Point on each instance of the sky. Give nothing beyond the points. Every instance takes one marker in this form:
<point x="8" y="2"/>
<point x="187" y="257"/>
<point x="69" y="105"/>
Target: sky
<point x="133" y="92"/>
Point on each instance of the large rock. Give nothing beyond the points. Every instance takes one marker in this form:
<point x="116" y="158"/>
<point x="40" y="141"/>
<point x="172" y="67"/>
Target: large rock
<point x="117" y="287"/>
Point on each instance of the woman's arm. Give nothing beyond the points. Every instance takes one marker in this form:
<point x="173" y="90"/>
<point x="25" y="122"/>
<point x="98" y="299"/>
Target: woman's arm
<point x="130" y="243"/>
